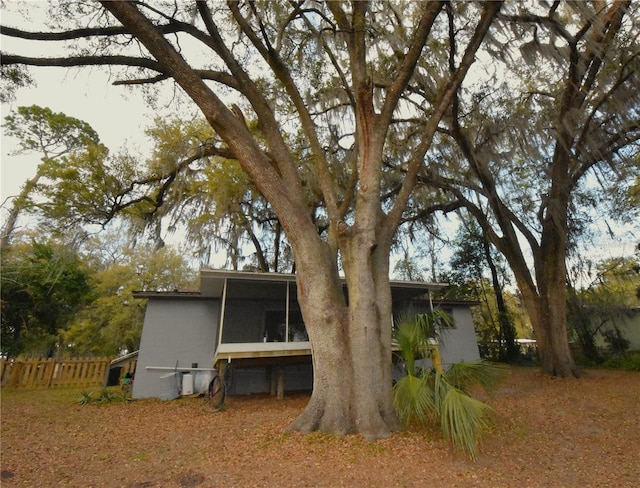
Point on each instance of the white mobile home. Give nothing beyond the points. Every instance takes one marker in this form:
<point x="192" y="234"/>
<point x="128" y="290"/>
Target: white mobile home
<point x="250" y="324"/>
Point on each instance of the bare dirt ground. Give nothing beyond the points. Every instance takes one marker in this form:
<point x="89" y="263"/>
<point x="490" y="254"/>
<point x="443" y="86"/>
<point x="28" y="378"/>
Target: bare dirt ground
<point x="545" y="433"/>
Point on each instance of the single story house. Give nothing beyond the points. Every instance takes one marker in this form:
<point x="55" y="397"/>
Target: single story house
<point x="250" y="325"/>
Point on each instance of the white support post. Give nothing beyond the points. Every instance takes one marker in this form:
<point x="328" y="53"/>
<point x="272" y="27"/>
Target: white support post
<point x="223" y="307"/>
<point x="286" y="316"/>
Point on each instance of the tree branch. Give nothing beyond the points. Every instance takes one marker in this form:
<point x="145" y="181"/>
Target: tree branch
<point x="72" y="61"/>
<point x="74" y="34"/>
<point x="490" y="11"/>
<point x="217" y="76"/>
<point x="283" y="74"/>
<point x="406" y="70"/>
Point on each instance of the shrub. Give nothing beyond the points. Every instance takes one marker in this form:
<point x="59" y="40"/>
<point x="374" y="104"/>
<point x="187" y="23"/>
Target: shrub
<point x="628" y="362"/>
<point x="105" y="396"/>
<point x="426" y="395"/>
<point x="85" y="398"/>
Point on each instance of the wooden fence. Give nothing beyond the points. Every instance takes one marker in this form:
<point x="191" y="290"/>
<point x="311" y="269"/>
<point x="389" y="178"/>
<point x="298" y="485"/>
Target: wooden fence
<point x="35" y="373"/>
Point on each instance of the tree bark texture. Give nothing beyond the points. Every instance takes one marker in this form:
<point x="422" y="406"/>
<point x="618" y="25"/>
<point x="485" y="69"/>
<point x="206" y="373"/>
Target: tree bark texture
<point x="351" y="345"/>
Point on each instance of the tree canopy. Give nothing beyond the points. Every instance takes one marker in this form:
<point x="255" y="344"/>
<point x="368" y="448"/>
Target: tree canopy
<point x="549" y="130"/>
<point x="61" y="301"/>
<point x="43" y="286"/>
<point x="53" y="136"/>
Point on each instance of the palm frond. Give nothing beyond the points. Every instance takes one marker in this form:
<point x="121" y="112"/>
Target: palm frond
<point x="415" y="334"/>
<point x="465" y="375"/>
<point x="462" y="420"/>
<point x="429" y="322"/>
<point x="413" y="399"/>
<point x="407" y="337"/>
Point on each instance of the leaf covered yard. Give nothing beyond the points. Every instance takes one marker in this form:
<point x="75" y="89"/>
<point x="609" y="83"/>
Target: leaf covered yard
<point x="544" y="432"/>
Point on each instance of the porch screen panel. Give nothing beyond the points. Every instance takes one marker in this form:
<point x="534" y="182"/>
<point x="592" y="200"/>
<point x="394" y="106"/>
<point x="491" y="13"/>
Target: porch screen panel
<point x="246" y="306"/>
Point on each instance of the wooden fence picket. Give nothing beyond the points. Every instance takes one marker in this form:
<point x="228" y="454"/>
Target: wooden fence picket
<point x="38" y="373"/>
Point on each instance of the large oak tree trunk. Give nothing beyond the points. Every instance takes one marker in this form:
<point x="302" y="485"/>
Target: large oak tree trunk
<point x="547" y="314"/>
<point x="547" y="306"/>
<point x="550" y="323"/>
<point x="351" y="345"/>
<point x="551" y="331"/>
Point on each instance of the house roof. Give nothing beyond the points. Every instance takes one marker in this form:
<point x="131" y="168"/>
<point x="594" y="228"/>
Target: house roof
<point x="193" y="295"/>
<point x="127" y="358"/>
<point x="212" y="284"/>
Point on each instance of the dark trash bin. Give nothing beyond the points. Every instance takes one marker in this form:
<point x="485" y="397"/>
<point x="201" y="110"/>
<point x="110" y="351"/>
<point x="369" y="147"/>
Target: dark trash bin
<point x="114" y="376"/>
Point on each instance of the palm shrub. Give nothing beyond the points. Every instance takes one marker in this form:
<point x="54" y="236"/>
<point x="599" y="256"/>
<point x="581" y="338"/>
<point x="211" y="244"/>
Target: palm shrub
<point x="433" y="394"/>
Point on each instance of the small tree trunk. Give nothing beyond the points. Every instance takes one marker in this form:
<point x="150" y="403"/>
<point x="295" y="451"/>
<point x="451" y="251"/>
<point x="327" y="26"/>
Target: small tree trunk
<point x="18" y="205"/>
<point x="507" y="334"/>
<point x="581" y="322"/>
<point x="9" y="227"/>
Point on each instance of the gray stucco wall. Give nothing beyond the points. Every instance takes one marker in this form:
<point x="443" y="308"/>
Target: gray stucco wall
<point x="628" y="324"/>
<point x="185" y="331"/>
<point x="458" y="343"/>
<point x="175" y="332"/>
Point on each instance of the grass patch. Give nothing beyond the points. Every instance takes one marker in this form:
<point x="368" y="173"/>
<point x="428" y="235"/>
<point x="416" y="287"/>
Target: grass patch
<point x="49" y="395"/>
<point x="62" y="396"/>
